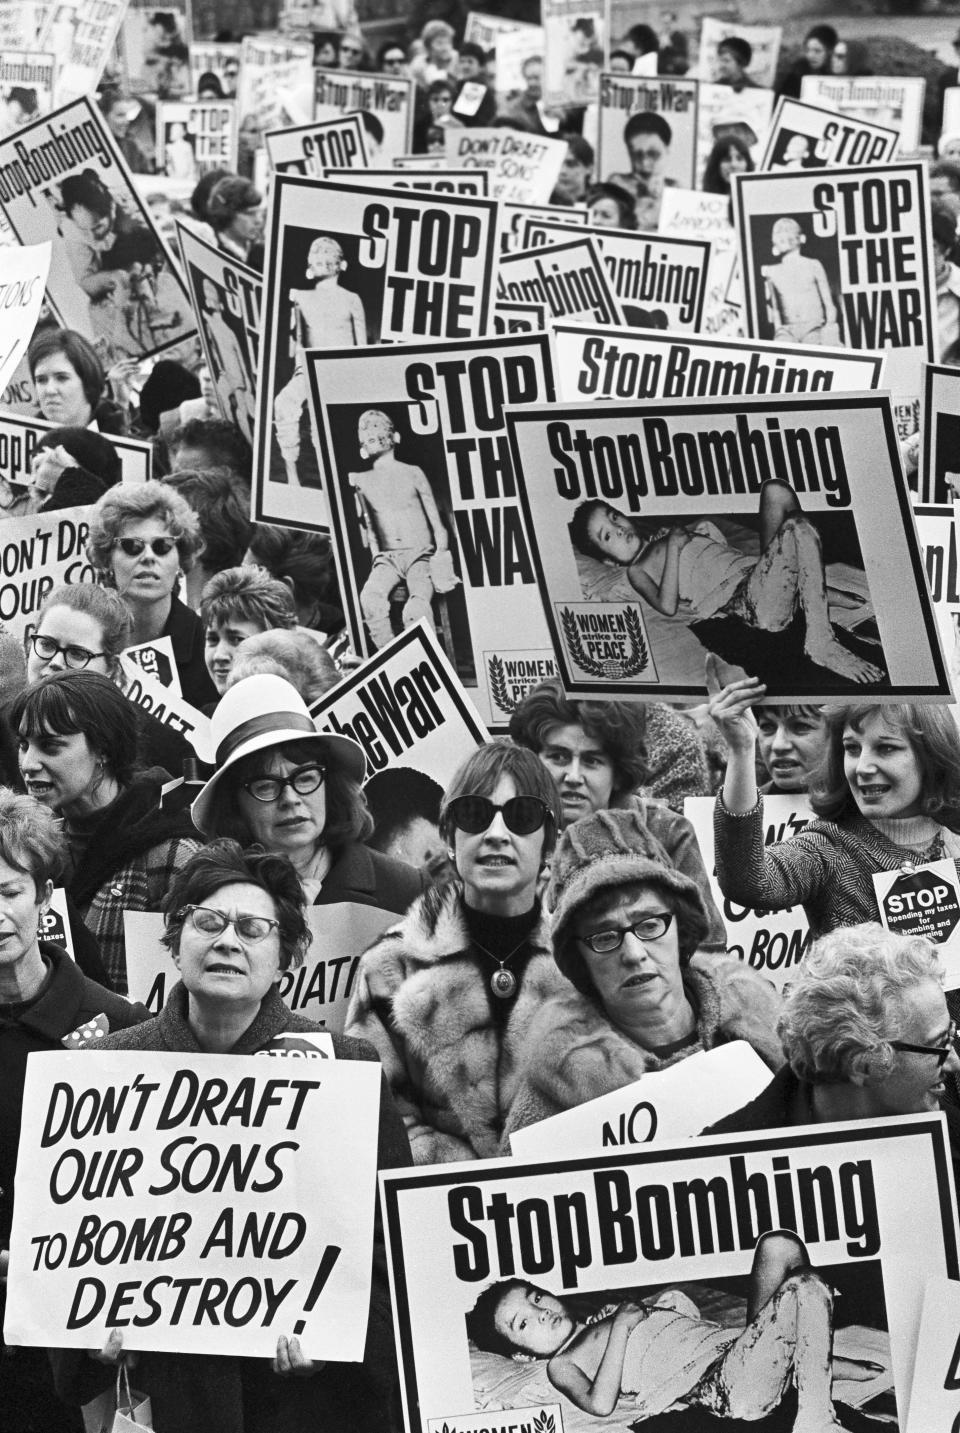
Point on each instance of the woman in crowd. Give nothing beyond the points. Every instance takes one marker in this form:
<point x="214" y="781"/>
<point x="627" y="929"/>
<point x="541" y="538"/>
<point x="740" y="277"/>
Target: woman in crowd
<point x="792" y="741"/>
<point x="448" y="995"/>
<point x="44" y="997"/>
<point x="626" y="928"/>
<point x="143" y="538"/>
<point x="235" y="213"/>
<point x="610" y="207"/>
<point x="281" y="783"/>
<point x="77" y="738"/>
<point x="223" y="512"/>
<point x="70" y="383"/>
<point x="849" y="57"/>
<point x="888" y="792"/>
<point x="245" y="911"/>
<point x="729" y="156"/>
<point x="439" y="59"/>
<point x="303" y="561"/>
<point x="818" y="47"/>
<point x="237" y="603"/>
<point x="294" y="655"/>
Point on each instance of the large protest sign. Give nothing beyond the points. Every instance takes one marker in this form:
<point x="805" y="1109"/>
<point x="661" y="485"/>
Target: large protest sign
<point x="935" y="1399"/>
<point x="37" y="554"/>
<point x="26" y="87"/>
<point x="568" y="278"/>
<point x="665" y="1105"/>
<point x="195" y="137"/>
<point x="513" y="219"/>
<point x="512" y="52"/>
<point x="802" y="136"/>
<point x="157" y="660"/>
<point x="215" y="1239"/>
<point x="894" y="101"/>
<point x="319" y="989"/>
<point x="217" y="60"/>
<point x="416" y="462"/>
<point x="693" y="214"/>
<point x="519" y="318"/>
<point x="635" y="364"/>
<point x="939" y="466"/>
<point x="22" y="284"/>
<point x="121" y="288"/>
<point x="764" y="41"/>
<point x="311" y="148"/>
<point x="485" y="30"/>
<point x="841" y="257"/>
<point x="20" y="23"/>
<point x="348" y="266"/>
<point x="168" y="708"/>
<point x="226" y="301"/>
<point x="924" y="900"/>
<point x="522" y="168"/>
<point x="724" y="111"/>
<point x="275" y="87"/>
<point x="937" y="531"/>
<point x="871" y="1201"/>
<point x="575" y="49"/>
<point x="658" y="283"/>
<point x="80" y="37"/>
<point x="647" y="134"/>
<point x="18" y="445"/>
<point x="771" y="942"/>
<point x="645" y="531"/>
<point x="474" y="182"/>
<point x="385" y="103"/>
<point x="153" y="48"/>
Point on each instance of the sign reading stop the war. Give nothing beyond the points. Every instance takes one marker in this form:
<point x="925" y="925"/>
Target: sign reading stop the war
<point x="925" y="900"/>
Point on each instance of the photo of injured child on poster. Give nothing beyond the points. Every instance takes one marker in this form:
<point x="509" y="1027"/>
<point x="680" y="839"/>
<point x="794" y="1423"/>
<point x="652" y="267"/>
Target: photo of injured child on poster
<point x="778" y="537"/>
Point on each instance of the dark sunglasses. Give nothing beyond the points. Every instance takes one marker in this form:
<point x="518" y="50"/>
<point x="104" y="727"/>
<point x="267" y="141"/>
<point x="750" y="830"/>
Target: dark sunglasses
<point x="134" y="546"/>
<point x="521" y="814"/>
<point x="942" y="1052"/>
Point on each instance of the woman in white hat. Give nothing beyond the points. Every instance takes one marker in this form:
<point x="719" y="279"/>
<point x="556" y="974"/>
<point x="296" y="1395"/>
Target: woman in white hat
<point x="282" y="784"/>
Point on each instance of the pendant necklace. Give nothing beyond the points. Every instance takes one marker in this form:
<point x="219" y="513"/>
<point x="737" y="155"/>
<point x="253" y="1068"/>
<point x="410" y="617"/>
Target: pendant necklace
<point x="503" y="982"/>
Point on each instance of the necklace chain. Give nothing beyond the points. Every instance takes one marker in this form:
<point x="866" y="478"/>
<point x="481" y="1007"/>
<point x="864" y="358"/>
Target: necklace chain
<point x="503" y="983"/>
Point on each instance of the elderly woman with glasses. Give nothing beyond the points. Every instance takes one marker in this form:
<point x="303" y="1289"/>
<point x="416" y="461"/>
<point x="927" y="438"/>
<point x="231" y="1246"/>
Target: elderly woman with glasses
<point x="143" y="540"/>
<point x="627" y="929"/>
<point x="235" y="921"/>
<point x="448" y="995"/>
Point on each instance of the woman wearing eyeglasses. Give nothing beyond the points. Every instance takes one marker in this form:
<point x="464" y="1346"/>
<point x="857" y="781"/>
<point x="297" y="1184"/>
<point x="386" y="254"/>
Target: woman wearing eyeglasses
<point x="448" y="995"/>
<point x="281" y="783"/>
<point x="235" y="920"/>
<point x="143" y="538"/>
<point x="627" y="927"/>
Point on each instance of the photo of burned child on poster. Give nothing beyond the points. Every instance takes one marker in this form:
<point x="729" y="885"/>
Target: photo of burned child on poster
<point x="396" y="537"/>
<point x="798" y="289"/>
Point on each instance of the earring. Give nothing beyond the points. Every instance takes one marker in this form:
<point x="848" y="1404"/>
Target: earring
<point x="363" y="452"/>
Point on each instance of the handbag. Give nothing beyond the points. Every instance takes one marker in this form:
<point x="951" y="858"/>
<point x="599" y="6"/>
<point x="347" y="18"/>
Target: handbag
<point x="119" y="1410"/>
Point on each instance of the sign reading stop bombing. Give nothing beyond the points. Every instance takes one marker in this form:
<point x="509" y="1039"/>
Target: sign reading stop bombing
<point x="925" y="900"/>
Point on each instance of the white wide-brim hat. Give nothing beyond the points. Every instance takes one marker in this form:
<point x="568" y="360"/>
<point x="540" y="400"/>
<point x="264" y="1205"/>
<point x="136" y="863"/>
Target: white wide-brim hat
<point x="260" y="712"/>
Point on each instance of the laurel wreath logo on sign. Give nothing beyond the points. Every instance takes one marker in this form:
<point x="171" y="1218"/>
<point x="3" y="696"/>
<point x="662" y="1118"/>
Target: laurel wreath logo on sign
<point x="612" y="669"/>
<point x="498" y="686"/>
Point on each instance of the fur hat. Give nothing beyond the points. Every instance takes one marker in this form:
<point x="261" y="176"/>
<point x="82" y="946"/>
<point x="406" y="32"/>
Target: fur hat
<point x="601" y="852"/>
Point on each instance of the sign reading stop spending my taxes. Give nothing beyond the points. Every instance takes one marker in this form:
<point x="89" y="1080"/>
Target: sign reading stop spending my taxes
<point x="925" y="900"/>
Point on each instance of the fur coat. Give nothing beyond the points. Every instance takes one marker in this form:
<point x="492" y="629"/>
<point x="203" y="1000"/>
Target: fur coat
<point x="574" y="1053"/>
<point x="421" y="1002"/>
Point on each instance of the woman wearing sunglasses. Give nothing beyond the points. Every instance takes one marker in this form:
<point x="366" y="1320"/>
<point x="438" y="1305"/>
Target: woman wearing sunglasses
<point x="628" y="928"/>
<point x="235" y="921"/>
<point x="143" y="538"/>
<point x="447" y="996"/>
<point x="284" y="785"/>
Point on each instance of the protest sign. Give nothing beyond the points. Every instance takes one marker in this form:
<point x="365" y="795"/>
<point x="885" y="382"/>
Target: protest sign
<point x="431" y="418"/>
<point x="18" y="444"/>
<point x="937" y="531"/>
<point x="37" y="554"/>
<point x="311" y="148"/>
<point x="871" y="1201"/>
<point x="26" y="87"/>
<point x="568" y="279"/>
<point x="802" y="136"/>
<point x="20" y="23"/>
<point x="935" y="1399"/>
<point x="419" y="161"/>
<point x="215" y="60"/>
<point x="19" y="396"/>
<point x="764" y="41"/>
<point x="152" y="46"/>
<point x="894" y="101"/>
<point x="163" y="703"/>
<point x="939" y="467"/>
<point x="522" y="168"/>
<point x="642" y="363"/>
<point x="195" y="137"/>
<point x="771" y="942"/>
<point x="55" y="923"/>
<point x="157" y="660"/>
<point x="485" y="30"/>
<point x="80" y="37"/>
<point x="385" y="103"/>
<point x="215" y="1241"/>
<point x="226" y="301"/>
<point x="275" y="88"/>
<point x="512" y="51"/>
<point x="665" y="1105"/>
<point x="312" y="17"/>
<point x="519" y="318"/>
<point x="851" y="262"/>
<point x="408" y="710"/>
<point x="724" y="111"/>
<point x="647" y="134"/>
<point x="693" y="214"/>
<point x="428" y="181"/>
<point x="924" y="900"/>
<point x="122" y="290"/>
<point x="658" y="283"/>
<point x="348" y="266"/>
<point x="319" y="989"/>
<point x="513" y="218"/>
<point x="22" y="284"/>
<point x="575" y="50"/>
<point x="838" y="604"/>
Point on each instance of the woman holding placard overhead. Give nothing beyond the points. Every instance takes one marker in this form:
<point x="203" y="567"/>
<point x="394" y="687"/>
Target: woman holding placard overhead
<point x="235" y="920"/>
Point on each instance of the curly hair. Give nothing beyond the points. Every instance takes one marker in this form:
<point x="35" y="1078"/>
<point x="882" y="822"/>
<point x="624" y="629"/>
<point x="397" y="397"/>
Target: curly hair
<point x="248" y="594"/>
<point x="138" y="502"/>
<point x="84" y="703"/>
<point x="932" y="735"/>
<point x="482" y="770"/>
<point x="847" y="1001"/>
<point x="31" y="838"/>
<point x="225" y="863"/>
<point x="293" y="655"/>
<point x="619" y="728"/>
<point x="105" y="607"/>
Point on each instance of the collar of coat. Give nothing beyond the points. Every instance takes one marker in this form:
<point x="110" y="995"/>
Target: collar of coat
<point x="434" y="928"/>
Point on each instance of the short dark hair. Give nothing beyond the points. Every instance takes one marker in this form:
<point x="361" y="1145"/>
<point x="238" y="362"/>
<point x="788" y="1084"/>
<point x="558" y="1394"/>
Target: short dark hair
<point x="225" y="863"/>
<point x="228" y="197"/>
<point x="933" y="738"/>
<point x="388" y="45"/>
<point x="473" y="52"/>
<point x="226" y="446"/>
<point x="247" y="593"/>
<point x="579" y="527"/>
<point x="481" y="772"/>
<point x="224" y="524"/>
<point x="647" y="123"/>
<point x="826" y="35"/>
<point x="619" y="727"/>
<point x="68" y="703"/>
<point x="738" y="49"/>
<point x="372" y="124"/>
<point x="580" y="148"/>
<point x="398" y="796"/>
<point x="437" y="87"/>
<point x="949" y="170"/>
<point x="481" y="1328"/>
<point x="78" y="351"/>
<point x="304" y="558"/>
<point x="643" y="38"/>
